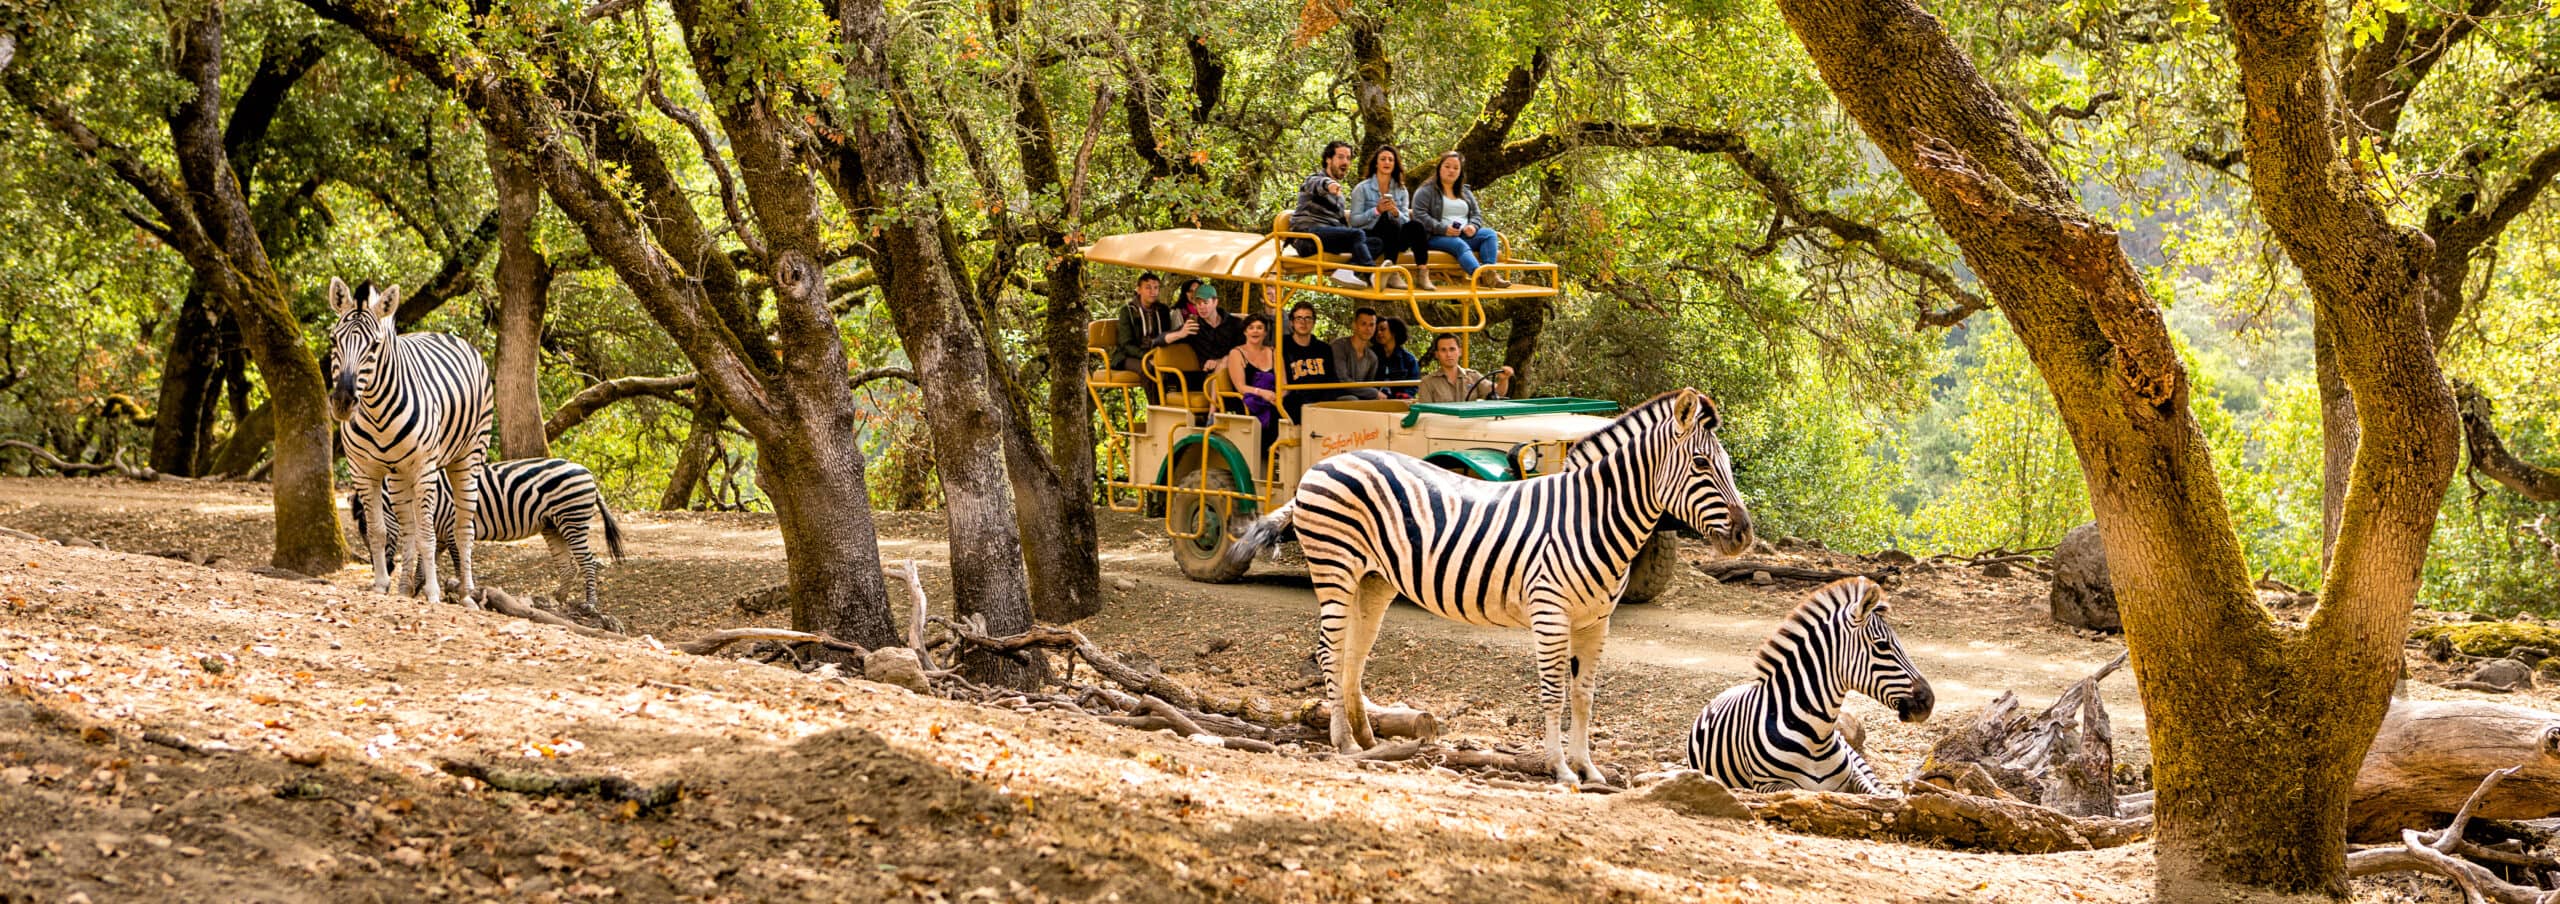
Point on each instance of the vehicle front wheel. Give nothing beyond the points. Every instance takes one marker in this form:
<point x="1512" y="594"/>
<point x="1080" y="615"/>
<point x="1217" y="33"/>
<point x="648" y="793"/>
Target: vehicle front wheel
<point x="1218" y="521"/>
<point x="1655" y="565"/>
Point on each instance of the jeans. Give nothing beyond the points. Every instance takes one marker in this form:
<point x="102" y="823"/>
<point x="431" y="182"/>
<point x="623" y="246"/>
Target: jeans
<point x="1392" y="238"/>
<point x="1484" y="248"/>
<point x="1340" y="240"/>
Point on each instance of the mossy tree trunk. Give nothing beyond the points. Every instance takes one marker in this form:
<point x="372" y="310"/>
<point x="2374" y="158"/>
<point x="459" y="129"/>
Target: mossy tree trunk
<point x="2255" y="730"/>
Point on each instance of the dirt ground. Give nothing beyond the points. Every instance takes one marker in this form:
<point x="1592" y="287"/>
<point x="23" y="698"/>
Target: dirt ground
<point x="318" y="716"/>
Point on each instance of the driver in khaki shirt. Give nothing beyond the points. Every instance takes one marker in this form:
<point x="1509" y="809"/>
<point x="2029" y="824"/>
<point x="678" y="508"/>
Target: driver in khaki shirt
<point x="1453" y="382"/>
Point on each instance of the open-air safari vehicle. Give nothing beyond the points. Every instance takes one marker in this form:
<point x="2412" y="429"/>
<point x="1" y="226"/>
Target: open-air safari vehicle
<point x="1194" y="454"/>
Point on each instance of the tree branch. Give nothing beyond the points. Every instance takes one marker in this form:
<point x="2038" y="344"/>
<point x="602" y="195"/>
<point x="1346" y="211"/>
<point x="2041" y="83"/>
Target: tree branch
<point x="597" y="397"/>
<point x="245" y="134"/>
<point x="455" y="275"/>
<point x="1484" y="139"/>
<point x="2489" y="454"/>
<point x="2378" y="78"/>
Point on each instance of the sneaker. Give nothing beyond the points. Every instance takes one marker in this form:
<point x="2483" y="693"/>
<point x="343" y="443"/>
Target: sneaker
<point x="1347" y="279"/>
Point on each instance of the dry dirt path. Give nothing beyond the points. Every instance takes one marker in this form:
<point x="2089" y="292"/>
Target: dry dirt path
<point x="318" y="714"/>
<point x="1972" y="637"/>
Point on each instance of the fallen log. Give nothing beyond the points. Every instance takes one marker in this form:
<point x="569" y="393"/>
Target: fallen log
<point x="2448" y="854"/>
<point x="2430" y="755"/>
<point x="1961" y="820"/>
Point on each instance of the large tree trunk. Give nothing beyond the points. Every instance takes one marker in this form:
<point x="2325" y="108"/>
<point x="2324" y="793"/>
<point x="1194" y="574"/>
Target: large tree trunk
<point x="524" y="283"/>
<point x="950" y="360"/>
<point x="2256" y="731"/>
<point x="807" y="481"/>
<point x="190" y="387"/>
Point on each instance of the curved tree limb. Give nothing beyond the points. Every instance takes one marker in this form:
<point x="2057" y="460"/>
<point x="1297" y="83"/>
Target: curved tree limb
<point x="596" y="398"/>
<point x="2489" y="454"/>
<point x="456" y="273"/>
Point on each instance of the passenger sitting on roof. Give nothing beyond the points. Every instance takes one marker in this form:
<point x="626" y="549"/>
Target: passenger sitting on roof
<point x="1308" y="360"/>
<point x="1394" y="362"/>
<point x="1453" y="381"/>
<point x="1358" y="352"/>
<point x="1145" y="324"/>
<point x="1213" y="333"/>
<point x="1448" y="211"/>
<point x="1320" y="213"/>
<point x="1381" y="206"/>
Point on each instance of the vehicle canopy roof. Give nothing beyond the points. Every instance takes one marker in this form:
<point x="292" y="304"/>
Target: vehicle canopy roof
<point x="1190" y="252"/>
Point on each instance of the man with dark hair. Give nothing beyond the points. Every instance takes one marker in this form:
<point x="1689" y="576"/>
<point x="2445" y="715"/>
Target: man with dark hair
<point x="1320" y="213"/>
<point x="1358" y="353"/>
<point x="1305" y="359"/>
<point x="1145" y="324"/>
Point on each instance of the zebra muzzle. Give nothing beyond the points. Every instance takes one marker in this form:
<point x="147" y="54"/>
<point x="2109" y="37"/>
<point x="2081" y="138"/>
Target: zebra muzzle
<point x="342" y="397"/>
<point x="1916" y="706"/>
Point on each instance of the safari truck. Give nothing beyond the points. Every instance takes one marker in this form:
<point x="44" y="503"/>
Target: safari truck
<point x="1192" y="456"/>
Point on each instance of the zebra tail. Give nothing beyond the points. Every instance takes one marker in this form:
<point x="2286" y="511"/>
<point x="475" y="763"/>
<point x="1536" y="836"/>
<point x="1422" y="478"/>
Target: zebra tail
<point x="612" y="531"/>
<point x="1258" y="535"/>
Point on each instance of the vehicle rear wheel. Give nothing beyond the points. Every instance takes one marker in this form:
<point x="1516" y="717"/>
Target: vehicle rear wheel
<point x="1203" y="558"/>
<point x="1655" y="565"/>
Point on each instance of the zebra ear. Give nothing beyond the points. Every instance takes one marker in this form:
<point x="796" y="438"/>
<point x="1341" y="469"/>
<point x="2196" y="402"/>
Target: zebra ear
<point x="1871" y="599"/>
<point x="1713" y="418"/>
<point x="384" y="302"/>
<point x="1693" y="412"/>
<point x="340" y="299"/>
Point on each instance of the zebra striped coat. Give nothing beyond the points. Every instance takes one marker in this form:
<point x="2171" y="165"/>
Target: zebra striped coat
<point x="410" y="405"/>
<point x="522" y="497"/>
<point x="1549" y="554"/>
<point x="1782" y="729"/>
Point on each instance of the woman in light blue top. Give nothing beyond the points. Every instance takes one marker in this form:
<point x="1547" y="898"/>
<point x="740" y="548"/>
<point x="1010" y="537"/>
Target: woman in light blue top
<point x="1380" y="205"/>
<point x="1448" y="211"/>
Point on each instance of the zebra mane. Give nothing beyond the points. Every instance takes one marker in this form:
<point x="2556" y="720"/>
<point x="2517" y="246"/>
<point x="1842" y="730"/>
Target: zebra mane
<point x="1821" y="607"/>
<point x="1624" y="431"/>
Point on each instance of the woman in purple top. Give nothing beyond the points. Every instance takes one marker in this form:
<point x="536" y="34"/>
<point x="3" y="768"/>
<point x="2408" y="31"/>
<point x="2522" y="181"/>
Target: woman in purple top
<point x="1249" y="370"/>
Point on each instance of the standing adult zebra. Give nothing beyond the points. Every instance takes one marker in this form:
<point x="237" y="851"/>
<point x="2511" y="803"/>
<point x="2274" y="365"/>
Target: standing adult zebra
<point x="1549" y="554"/>
<point x="411" y="404"/>
<point x="1782" y="729"/>
<point x="521" y="497"/>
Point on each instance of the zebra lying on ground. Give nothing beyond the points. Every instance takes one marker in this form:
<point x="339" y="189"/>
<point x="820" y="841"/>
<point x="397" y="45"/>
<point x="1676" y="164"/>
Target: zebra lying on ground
<point x="523" y="497"/>
<point x="1549" y="554"/>
<point x="412" y="405"/>
<point x="1782" y="729"/>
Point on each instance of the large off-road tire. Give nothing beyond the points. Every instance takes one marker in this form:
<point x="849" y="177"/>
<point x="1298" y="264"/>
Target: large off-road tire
<point x="1655" y="565"/>
<point x="1203" y="558"/>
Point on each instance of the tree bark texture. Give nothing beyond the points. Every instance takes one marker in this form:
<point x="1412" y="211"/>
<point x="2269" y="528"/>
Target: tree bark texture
<point x="524" y="283"/>
<point x="2255" y="731"/>
<point x="1053" y="490"/>
<point x="950" y="360"/>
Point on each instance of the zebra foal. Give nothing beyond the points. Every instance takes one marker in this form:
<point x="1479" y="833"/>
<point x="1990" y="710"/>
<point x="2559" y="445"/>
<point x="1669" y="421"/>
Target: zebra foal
<point x="519" y="498"/>
<point x="1549" y="554"/>
<point x="410" y="404"/>
<point x="1781" y="729"/>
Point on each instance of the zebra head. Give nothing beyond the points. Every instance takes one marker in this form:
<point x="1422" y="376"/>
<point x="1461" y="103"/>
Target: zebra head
<point x="1869" y="659"/>
<point x="357" y="341"/>
<point x="1699" y="476"/>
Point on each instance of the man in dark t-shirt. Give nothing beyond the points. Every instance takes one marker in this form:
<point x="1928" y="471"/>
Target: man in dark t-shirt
<point x="1305" y="359"/>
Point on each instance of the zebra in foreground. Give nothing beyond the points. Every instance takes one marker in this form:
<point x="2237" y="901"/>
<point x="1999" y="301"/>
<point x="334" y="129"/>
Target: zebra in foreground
<point x="522" y="497"/>
<point x="1782" y="729"/>
<point x="1549" y="554"/>
<point x="411" y="404"/>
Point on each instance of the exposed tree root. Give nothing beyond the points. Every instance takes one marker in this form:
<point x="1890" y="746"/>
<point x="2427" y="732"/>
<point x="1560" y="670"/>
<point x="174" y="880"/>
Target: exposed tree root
<point x="1961" y="820"/>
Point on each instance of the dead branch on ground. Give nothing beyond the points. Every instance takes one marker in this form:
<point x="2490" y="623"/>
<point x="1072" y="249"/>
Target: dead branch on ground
<point x="2447" y="853"/>
<point x="713" y="642"/>
<point x="608" y="787"/>
<point x="1930" y="814"/>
